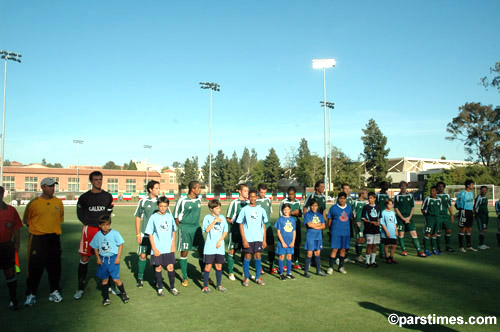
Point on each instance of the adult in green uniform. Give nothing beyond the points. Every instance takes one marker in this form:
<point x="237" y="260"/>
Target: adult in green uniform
<point x="187" y="217"/>
<point x="234" y="242"/>
<point x="145" y="209"/>
<point x="267" y="205"/>
<point x="446" y="217"/>
<point x="431" y="209"/>
<point x="404" y="205"/>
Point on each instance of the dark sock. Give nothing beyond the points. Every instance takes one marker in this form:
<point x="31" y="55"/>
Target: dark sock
<point x="341" y="262"/>
<point x="271" y="255"/>
<point x="313" y="260"/>
<point x="308" y="263"/>
<point x="82" y="275"/>
<point x="447" y="240"/>
<point x="468" y="240"/>
<point x="481" y="239"/>
<point x="218" y="274"/>
<point x="171" y="279"/>
<point x="461" y="240"/>
<point x="105" y="291"/>
<point x="317" y="259"/>
<point x="332" y="261"/>
<point x="12" y="286"/>
<point x="159" y="279"/>
<point x="358" y="249"/>
<point x="122" y="288"/>
<point x="438" y="243"/>
<point x="281" y="265"/>
<point x="206" y="275"/>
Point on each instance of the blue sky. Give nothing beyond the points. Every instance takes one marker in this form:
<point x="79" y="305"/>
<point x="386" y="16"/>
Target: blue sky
<point x="121" y="74"/>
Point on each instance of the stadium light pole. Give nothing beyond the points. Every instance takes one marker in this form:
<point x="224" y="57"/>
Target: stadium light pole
<point x="213" y="87"/>
<point x="6" y="55"/>
<point x="330" y="107"/>
<point x="78" y="142"/>
<point x="148" y="147"/>
<point x="323" y="64"/>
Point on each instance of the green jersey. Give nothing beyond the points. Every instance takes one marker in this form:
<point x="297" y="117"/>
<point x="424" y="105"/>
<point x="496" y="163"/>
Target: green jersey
<point x="187" y="210"/>
<point x="358" y="209"/>
<point x="267" y="205"/>
<point x="445" y="203"/>
<point x="350" y="201"/>
<point x="381" y="200"/>
<point x="321" y="199"/>
<point x="432" y="206"/>
<point x="481" y="205"/>
<point x="234" y="209"/>
<point x="145" y="209"/>
<point x="404" y="203"/>
<point x="295" y="205"/>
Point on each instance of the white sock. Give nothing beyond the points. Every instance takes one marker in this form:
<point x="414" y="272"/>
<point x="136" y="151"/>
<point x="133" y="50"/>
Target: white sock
<point x="373" y="256"/>
<point x="367" y="257"/>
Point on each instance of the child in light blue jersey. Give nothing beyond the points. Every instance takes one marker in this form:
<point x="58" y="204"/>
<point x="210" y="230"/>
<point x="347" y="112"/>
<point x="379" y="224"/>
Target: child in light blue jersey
<point x="389" y="231"/>
<point x="108" y="245"/>
<point x="215" y="225"/>
<point x="161" y="229"/>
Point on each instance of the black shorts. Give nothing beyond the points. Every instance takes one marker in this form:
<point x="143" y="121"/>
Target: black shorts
<point x="163" y="259"/>
<point x="269" y="235"/>
<point x="7" y="255"/>
<point x="389" y="241"/>
<point x="145" y="246"/>
<point x="214" y="259"/>
<point x="466" y="218"/>
<point x="253" y="248"/>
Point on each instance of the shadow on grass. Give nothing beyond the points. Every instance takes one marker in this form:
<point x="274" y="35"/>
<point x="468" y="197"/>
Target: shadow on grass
<point x="386" y="312"/>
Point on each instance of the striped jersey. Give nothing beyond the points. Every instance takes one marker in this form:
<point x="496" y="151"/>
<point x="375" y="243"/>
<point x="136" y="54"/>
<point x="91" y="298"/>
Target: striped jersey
<point x="145" y="209"/>
<point x="481" y="204"/>
<point x="432" y="206"/>
<point x="445" y="203"/>
<point x="295" y="205"/>
<point x="266" y="204"/>
<point x="404" y="203"/>
<point x="357" y="209"/>
<point x="321" y="199"/>
<point x="188" y="210"/>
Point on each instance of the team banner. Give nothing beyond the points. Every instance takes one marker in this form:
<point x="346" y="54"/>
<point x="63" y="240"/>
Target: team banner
<point x="142" y="196"/>
<point x="170" y="196"/>
<point x="235" y="195"/>
<point x="127" y="196"/>
<point x="269" y="195"/>
<point x="210" y="196"/>
<point x="298" y="196"/>
<point x="280" y="196"/>
<point x="222" y="196"/>
<point x="115" y="196"/>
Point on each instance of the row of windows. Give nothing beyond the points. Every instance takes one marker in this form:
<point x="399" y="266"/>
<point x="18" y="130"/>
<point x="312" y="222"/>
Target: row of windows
<point x="31" y="184"/>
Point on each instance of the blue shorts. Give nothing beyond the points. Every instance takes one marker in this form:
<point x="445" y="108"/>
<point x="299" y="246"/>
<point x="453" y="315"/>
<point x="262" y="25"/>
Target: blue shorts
<point x="108" y="268"/>
<point x="283" y="251"/>
<point x="340" y="241"/>
<point x="313" y="245"/>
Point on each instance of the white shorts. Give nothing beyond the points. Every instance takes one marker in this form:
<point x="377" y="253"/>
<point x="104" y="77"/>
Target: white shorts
<point x="372" y="238"/>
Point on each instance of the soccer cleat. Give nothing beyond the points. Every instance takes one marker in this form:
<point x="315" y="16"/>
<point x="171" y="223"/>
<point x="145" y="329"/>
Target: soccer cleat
<point x="140" y="284"/>
<point x="273" y="270"/>
<point x="282" y="277"/>
<point x="30" y="300"/>
<point x="360" y="259"/>
<point x="404" y="253"/>
<point x="462" y="249"/>
<point x="485" y="246"/>
<point x="206" y="290"/>
<point x="322" y="274"/>
<point x="106" y="302"/>
<point x="184" y="283"/>
<point x="428" y="253"/>
<point x="231" y="277"/>
<point x="421" y="254"/>
<point x="449" y="249"/>
<point x="289" y="276"/>
<point x="245" y="282"/>
<point x="297" y="266"/>
<point x="330" y="270"/>
<point x="307" y="275"/>
<point x="374" y="265"/>
<point x="221" y="289"/>
<point x="436" y="252"/>
<point x="482" y="247"/>
<point x="125" y="298"/>
<point x="78" y="295"/>
<point x="342" y="270"/>
<point x="55" y="296"/>
<point x="160" y="292"/>
<point x="471" y="249"/>
<point x="260" y="282"/>
<point x="174" y="292"/>
<point x="348" y="260"/>
<point x="13" y="305"/>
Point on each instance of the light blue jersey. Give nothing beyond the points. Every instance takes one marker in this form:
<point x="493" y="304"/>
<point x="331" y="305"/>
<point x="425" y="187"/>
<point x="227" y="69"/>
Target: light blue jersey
<point x="388" y="219"/>
<point x="465" y="200"/>
<point x="214" y="235"/>
<point x="162" y="227"/>
<point x="107" y="244"/>
<point x="253" y="219"/>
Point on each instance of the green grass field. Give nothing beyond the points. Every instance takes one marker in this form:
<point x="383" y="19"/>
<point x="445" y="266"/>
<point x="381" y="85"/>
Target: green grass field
<point x="455" y="284"/>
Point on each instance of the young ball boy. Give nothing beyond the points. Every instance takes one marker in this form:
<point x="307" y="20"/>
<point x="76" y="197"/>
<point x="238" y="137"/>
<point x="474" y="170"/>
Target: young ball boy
<point x="233" y="212"/>
<point x="215" y="225"/>
<point x="357" y="211"/>
<point x="161" y="228"/>
<point x="252" y="221"/>
<point x="481" y="212"/>
<point x="389" y="231"/>
<point x="296" y="211"/>
<point x="108" y="246"/>
<point x="446" y="216"/>
<point x="285" y="228"/>
<point x="371" y="219"/>
<point x="431" y="209"/>
<point x="315" y="224"/>
<point x="339" y="218"/>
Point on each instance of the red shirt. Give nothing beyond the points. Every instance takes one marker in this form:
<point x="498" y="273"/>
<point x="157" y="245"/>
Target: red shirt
<point x="9" y="222"/>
